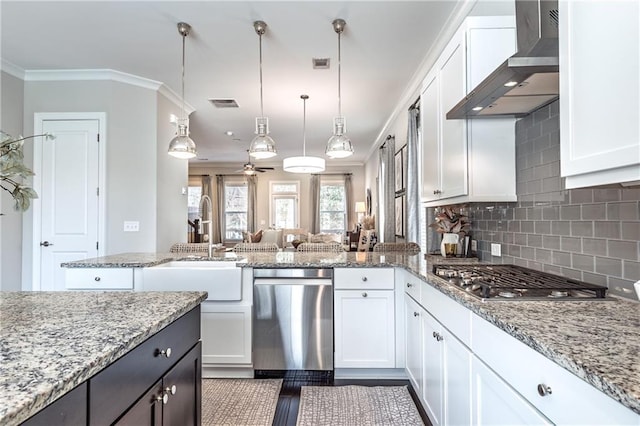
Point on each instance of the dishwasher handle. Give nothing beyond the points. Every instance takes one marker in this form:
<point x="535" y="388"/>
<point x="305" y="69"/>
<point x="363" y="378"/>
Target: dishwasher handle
<point x="292" y="281"/>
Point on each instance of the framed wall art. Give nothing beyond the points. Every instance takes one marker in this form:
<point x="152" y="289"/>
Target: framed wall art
<point x="399" y="171"/>
<point x="400" y="216"/>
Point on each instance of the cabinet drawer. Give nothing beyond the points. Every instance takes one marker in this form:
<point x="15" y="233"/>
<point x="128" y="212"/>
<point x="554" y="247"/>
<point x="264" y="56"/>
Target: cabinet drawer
<point x="99" y="279"/>
<point x="363" y="278"/>
<point x="412" y="285"/>
<point x="113" y="389"/>
<point x="455" y="317"/>
<point x="571" y="401"/>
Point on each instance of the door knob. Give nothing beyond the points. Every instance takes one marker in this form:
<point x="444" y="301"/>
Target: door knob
<point x="46" y="244"/>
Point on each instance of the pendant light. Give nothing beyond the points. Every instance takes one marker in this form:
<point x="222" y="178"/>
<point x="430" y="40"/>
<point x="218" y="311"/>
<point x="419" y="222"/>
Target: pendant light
<point x="182" y="146"/>
<point x="304" y="164"/>
<point x="339" y="145"/>
<point x="262" y="146"/>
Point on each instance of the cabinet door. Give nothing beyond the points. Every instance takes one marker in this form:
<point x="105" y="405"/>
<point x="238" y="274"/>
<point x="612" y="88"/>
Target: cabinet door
<point x="147" y="411"/>
<point x="183" y="386"/>
<point x="495" y="402"/>
<point x="226" y="333"/>
<point x="364" y="329"/>
<point x="453" y="145"/>
<point x="457" y="381"/>
<point x="599" y="108"/>
<point x="414" y="343"/>
<point x="433" y="372"/>
<point x="430" y="131"/>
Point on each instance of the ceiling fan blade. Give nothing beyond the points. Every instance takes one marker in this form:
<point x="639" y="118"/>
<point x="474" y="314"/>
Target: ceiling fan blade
<point x="262" y="169"/>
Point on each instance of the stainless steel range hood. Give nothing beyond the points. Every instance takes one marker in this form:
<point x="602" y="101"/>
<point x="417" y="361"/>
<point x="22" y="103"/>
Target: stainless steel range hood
<point x="527" y="80"/>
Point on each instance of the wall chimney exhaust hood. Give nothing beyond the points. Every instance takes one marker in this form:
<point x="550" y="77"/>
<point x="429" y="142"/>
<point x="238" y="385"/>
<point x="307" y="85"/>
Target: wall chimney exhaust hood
<point x="527" y="80"/>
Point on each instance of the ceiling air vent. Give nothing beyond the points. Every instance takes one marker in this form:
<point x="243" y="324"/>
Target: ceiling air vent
<point x="320" y="63"/>
<point x="224" y="103"/>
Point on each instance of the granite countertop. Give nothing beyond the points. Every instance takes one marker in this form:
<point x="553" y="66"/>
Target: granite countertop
<point x="52" y="341"/>
<point x="598" y="341"/>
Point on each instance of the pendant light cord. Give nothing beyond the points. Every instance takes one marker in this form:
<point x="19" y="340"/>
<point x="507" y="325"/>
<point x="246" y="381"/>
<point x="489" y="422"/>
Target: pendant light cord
<point x="184" y="37"/>
<point x="261" y="106"/>
<point x="304" y="126"/>
<point x="339" y="69"/>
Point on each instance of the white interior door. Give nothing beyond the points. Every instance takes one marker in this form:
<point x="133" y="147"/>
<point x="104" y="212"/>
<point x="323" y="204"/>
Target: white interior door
<point x="69" y="194"/>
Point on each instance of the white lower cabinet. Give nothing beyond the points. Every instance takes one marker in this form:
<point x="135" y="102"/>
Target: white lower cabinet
<point x="413" y="337"/>
<point x="496" y="403"/>
<point x="447" y="375"/>
<point x="364" y="329"/>
<point x="226" y="333"/>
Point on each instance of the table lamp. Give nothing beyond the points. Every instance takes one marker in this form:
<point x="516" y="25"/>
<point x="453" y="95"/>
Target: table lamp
<point x="360" y="211"/>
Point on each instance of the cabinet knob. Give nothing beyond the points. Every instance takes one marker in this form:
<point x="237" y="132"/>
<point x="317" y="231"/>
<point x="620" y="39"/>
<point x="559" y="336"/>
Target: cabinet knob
<point x="96" y="279"/>
<point x="163" y="398"/>
<point x="544" y="390"/>
<point x="439" y="337"/>
<point x="170" y="390"/>
<point x="364" y="278"/>
<point x="434" y="334"/>
<point x="416" y="314"/>
<point x="409" y="285"/>
<point x="436" y="192"/>
<point x="165" y="352"/>
<point x="364" y="294"/>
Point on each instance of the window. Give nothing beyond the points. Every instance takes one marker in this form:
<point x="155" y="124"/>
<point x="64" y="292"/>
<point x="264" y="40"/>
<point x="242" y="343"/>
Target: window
<point x="193" y="202"/>
<point x="284" y="204"/>
<point x="235" y="210"/>
<point x="333" y="212"/>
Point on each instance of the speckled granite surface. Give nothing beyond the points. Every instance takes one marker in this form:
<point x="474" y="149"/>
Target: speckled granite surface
<point x="52" y="341"/>
<point x="598" y="341"/>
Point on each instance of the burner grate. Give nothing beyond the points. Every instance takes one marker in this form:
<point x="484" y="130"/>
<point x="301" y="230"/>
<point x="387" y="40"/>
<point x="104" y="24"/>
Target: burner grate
<point x="506" y="278"/>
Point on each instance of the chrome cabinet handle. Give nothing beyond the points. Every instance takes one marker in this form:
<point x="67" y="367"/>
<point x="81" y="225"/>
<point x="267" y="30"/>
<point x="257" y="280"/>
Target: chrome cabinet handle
<point x="544" y="390"/>
<point x="171" y="390"/>
<point x="409" y="285"/>
<point x="165" y="352"/>
<point x="96" y="279"/>
<point x="439" y="337"/>
<point x="434" y="334"/>
<point x="46" y="244"/>
<point x="416" y="314"/>
<point x="364" y="294"/>
<point x="436" y="192"/>
<point x="163" y="398"/>
<point x="364" y="278"/>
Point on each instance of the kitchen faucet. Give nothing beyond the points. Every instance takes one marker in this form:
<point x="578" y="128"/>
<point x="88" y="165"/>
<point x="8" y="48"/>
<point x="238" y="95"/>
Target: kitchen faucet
<point x="206" y="200"/>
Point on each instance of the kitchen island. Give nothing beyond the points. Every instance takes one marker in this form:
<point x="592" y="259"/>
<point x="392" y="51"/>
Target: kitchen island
<point x="51" y="342"/>
<point x="597" y="341"/>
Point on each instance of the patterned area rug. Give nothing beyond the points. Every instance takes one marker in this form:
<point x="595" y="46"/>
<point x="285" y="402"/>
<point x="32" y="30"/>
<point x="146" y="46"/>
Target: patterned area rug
<point x="239" y="402"/>
<point x="357" y="405"/>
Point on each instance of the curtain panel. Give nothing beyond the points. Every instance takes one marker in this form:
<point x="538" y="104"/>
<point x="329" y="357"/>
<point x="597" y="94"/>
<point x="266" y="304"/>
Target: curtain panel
<point x="350" y="207"/>
<point x="315" y="204"/>
<point x="386" y="205"/>
<point x="252" y="202"/>
<point x="218" y="210"/>
<point x="413" y="197"/>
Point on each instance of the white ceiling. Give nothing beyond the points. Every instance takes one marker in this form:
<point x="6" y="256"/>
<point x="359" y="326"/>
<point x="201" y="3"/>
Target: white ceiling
<point x="383" y="45"/>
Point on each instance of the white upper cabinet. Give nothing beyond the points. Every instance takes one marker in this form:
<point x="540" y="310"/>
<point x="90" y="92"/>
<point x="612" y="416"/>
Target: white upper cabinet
<point x="599" y="92"/>
<point x="467" y="160"/>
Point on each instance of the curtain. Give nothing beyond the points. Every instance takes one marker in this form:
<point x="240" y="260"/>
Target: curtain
<point x="348" y="191"/>
<point x="252" y="202"/>
<point x="218" y="210"/>
<point x="413" y="198"/>
<point x="315" y="204"/>
<point x="386" y="204"/>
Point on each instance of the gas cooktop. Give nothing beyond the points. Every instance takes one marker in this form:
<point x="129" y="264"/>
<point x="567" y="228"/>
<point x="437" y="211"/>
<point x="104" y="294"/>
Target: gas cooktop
<point x="512" y="282"/>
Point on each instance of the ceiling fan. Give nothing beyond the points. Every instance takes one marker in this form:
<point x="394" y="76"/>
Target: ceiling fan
<point x="250" y="168"/>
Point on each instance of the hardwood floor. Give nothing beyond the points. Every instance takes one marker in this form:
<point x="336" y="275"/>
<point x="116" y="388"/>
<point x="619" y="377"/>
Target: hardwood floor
<point x="289" y="399"/>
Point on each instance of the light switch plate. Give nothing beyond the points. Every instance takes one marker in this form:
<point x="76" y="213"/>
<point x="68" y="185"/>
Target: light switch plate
<point x="474" y="245"/>
<point x="496" y="250"/>
<point x="131" y="226"/>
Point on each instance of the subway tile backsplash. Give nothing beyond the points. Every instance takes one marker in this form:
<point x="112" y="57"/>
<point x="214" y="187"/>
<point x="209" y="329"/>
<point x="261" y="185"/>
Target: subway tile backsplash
<point x="588" y="234"/>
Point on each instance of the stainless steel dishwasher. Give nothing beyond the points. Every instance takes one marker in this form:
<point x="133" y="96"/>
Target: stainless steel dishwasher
<point x="293" y="319"/>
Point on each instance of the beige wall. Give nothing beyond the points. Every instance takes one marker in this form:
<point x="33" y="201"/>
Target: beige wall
<point x="11" y="121"/>
<point x="264" y="179"/>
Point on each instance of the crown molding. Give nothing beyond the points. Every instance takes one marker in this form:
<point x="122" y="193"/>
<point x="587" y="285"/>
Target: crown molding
<point x="12" y="69"/>
<point x="95" y="75"/>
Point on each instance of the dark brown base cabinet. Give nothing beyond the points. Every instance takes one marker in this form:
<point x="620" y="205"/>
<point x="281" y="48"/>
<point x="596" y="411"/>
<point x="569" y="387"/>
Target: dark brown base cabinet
<point x="157" y="383"/>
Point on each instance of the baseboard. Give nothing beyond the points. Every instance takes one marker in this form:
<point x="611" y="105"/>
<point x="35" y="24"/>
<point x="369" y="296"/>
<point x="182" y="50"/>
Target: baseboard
<point x="227" y="373"/>
<point x="371" y="373"/>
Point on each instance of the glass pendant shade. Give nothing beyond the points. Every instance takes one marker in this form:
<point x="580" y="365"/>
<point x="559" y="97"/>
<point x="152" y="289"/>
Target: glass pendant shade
<point x="303" y="164"/>
<point x="339" y="145"/>
<point x="262" y="146"/>
<point x="181" y="146"/>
